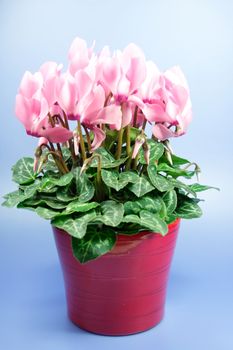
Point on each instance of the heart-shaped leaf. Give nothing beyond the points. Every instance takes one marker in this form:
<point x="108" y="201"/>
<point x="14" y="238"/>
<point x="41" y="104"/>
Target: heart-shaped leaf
<point x="75" y="227"/>
<point x="159" y="181"/>
<point x="141" y="186"/>
<point x="94" y="244"/>
<point x="23" y="172"/>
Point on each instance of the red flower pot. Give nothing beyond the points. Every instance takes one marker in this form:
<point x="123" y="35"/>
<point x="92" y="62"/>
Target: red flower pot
<point x="122" y="292"/>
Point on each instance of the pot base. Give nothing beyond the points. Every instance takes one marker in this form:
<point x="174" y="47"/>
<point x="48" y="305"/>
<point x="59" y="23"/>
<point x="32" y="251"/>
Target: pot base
<point x="131" y="328"/>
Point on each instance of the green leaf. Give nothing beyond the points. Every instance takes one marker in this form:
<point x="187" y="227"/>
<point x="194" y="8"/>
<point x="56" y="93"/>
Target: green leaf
<point x="147" y="203"/>
<point x="170" y="199"/>
<point x="156" y="223"/>
<point x="171" y="218"/>
<point x="182" y="186"/>
<point x="159" y="181"/>
<point x="128" y="176"/>
<point x="75" y="227"/>
<point x="113" y="179"/>
<point x="178" y="160"/>
<point x="64" y="194"/>
<point x="188" y="209"/>
<point x="48" y="183"/>
<point x="156" y="151"/>
<point x="163" y="210"/>
<point x="199" y="188"/>
<point x="148" y="220"/>
<point x="23" y="172"/>
<point x="46" y="213"/>
<point x="174" y="171"/>
<point x="141" y="186"/>
<point x="43" y="201"/>
<point x="94" y="244"/>
<point x="112" y="213"/>
<point x="13" y="198"/>
<point x="76" y="206"/>
<point x="110" y="178"/>
<point x="85" y="188"/>
<point x="64" y="180"/>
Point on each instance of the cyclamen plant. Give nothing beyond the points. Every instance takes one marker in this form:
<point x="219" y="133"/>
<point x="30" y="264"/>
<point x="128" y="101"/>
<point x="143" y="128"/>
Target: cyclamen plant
<point x="105" y="176"/>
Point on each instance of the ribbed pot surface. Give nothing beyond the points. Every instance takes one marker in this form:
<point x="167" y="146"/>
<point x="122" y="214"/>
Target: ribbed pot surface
<point x="122" y="292"/>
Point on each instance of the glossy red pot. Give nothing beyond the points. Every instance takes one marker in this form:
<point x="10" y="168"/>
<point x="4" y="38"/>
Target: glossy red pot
<point x="122" y="292"/>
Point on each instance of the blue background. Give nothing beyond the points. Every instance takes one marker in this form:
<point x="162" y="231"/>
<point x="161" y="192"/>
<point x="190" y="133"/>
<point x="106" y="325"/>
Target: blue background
<point x="197" y="35"/>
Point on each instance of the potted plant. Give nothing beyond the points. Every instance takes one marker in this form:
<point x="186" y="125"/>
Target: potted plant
<point x="105" y="175"/>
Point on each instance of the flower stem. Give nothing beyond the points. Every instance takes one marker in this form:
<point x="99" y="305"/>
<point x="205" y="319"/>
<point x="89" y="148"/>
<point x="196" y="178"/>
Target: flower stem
<point x="119" y="143"/>
<point x="135" y="161"/>
<point x="71" y="144"/>
<point x="88" y="138"/>
<point x="135" y="117"/>
<point x="82" y="144"/>
<point x="128" y="147"/>
<point x="58" y="159"/>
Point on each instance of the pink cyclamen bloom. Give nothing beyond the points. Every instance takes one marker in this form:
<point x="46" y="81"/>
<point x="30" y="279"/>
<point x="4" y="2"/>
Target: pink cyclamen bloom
<point x="50" y="72"/>
<point x="79" y="55"/>
<point x="32" y="110"/>
<point x="93" y="113"/>
<point x="71" y="92"/>
<point x="122" y="75"/>
<point x="177" y="105"/>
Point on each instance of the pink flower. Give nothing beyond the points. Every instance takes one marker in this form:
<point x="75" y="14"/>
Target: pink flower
<point x="32" y="109"/>
<point x="177" y="105"/>
<point x="79" y="55"/>
<point x="50" y="72"/>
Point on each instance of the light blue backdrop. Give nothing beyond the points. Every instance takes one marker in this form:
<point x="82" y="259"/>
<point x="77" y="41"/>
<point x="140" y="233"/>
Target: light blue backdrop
<point x="197" y="35"/>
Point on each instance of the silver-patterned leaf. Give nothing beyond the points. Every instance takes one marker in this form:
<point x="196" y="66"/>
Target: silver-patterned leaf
<point x="170" y="199"/>
<point x="188" y="209"/>
<point x="149" y="221"/>
<point x="94" y="244"/>
<point x="156" y="150"/>
<point x="75" y="227"/>
<point x="141" y="187"/>
<point x="23" y="172"/>
<point x="85" y="188"/>
<point x="160" y="182"/>
<point x="76" y="206"/>
<point x="112" y="213"/>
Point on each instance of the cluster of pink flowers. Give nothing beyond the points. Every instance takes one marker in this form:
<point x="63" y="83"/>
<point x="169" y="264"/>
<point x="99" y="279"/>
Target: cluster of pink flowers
<point x="116" y="89"/>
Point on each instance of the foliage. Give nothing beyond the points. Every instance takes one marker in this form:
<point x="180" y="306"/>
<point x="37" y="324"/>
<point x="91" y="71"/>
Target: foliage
<point x="94" y="207"/>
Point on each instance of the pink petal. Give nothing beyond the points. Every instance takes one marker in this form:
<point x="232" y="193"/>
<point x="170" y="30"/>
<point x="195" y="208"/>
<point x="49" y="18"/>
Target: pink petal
<point x="137" y="101"/>
<point x="151" y="82"/>
<point x="23" y="109"/>
<point x="95" y="103"/>
<point x="162" y="132"/>
<point x="67" y="94"/>
<point x="111" y="115"/>
<point x="99" y="137"/>
<point x="126" y="114"/>
<point x="42" y="141"/>
<point x="78" y="55"/>
<point x="138" y="144"/>
<point x="176" y="76"/>
<point x="155" y="113"/>
<point x="78" y="45"/>
<point x="56" y="134"/>
<point x="30" y="84"/>
<point x="111" y="73"/>
<point x="83" y="83"/>
<point x="50" y="69"/>
<point x="136" y="73"/>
